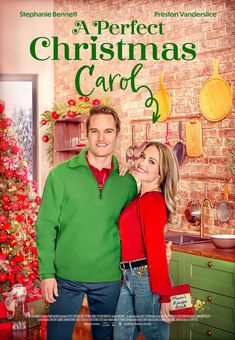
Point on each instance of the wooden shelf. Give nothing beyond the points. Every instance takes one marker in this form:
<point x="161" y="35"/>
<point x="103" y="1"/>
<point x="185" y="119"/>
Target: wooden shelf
<point x="171" y="118"/>
<point x="226" y="179"/>
<point x="70" y="149"/>
<point x="67" y="134"/>
<point x="77" y="119"/>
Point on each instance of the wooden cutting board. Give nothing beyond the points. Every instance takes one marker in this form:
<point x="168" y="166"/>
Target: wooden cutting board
<point x="216" y="96"/>
<point x="193" y="131"/>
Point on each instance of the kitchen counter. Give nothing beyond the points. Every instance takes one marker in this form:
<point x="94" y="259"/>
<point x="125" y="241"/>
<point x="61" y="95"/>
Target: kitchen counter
<point x="204" y="249"/>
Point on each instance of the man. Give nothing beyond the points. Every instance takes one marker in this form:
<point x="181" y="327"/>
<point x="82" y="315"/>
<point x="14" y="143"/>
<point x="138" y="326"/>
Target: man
<point x="77" y="234"/>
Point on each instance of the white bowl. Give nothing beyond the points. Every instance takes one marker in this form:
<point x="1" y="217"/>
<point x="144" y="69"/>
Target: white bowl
<point x="223" y="240"/>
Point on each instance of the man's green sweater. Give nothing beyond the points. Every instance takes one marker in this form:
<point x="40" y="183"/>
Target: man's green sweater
<point x="77" y="232"/>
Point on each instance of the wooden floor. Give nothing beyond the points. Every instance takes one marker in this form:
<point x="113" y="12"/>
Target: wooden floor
<point x="81" y="332"/>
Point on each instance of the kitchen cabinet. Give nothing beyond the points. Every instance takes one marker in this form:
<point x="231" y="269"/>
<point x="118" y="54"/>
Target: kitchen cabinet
<point x="211" y="281"/>
<point x="198" y="331"/>
<point x="67" y="135"/>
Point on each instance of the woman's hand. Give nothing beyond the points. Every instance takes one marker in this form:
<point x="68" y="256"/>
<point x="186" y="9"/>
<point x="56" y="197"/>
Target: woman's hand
<point x="165" y="312"/>
<point x="168" y="251"/>
<point x="123" y="168"/>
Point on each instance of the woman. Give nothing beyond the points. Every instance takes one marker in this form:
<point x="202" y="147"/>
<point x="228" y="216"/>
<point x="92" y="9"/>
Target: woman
<point x="144" y="299"/>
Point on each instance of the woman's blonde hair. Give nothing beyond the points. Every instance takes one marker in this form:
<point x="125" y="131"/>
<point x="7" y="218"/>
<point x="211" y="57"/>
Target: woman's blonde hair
<point x="169" y="177"/>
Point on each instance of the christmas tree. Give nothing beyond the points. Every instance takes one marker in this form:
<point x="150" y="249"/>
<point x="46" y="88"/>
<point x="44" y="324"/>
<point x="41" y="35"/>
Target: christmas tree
<point x="19" y="204"/>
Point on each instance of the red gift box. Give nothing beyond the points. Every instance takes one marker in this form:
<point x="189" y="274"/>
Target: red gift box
<point x="181" y="305"/>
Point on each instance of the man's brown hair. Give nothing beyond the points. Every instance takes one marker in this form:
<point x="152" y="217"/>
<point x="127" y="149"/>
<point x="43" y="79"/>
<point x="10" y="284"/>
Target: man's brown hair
<point x="102" y="109"/>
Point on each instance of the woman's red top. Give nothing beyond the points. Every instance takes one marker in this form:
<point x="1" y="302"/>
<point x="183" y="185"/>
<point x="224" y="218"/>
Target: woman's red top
<point x="141" y="228"/>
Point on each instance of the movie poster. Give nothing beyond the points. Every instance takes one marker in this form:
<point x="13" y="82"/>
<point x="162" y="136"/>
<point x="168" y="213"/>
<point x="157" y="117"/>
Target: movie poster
<point x="167" y="67"/>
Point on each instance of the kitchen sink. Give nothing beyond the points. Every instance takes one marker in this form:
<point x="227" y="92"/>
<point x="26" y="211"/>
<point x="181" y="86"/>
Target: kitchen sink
<point x="186" y="239"/>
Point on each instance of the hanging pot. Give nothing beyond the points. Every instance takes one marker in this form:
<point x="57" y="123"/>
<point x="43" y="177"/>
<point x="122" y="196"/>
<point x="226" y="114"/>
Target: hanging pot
<point x="193" y="212"/>
<point x="147" y="140"/>
<point x="224" y="209"/>
<point x="179" y="148"/>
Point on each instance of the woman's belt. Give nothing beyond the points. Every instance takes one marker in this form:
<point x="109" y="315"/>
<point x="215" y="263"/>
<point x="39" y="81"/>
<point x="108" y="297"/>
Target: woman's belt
<point x="133" y="264"/>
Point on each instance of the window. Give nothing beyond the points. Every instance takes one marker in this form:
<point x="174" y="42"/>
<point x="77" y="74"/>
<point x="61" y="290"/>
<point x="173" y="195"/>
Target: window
<point x="19" y="92"/>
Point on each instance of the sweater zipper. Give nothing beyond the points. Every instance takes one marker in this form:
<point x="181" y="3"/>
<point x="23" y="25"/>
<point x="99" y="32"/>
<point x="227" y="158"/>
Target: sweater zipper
<point x="101" y="193"/>
<point x="97" y="184"/>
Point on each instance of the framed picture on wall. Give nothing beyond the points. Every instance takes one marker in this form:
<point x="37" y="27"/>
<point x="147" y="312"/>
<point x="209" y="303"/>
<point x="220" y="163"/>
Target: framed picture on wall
<point x="19" y="92"/>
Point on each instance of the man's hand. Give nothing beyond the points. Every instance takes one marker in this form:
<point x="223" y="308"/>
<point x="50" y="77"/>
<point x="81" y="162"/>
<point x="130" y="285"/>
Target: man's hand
<point x="49" y="289"/>
<point x="168" y="251"/>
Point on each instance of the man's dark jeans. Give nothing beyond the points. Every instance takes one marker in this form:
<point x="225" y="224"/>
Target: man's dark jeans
<point x="102" y="300"/>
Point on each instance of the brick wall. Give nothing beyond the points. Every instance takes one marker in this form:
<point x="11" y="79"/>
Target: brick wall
<point x="214" y="38"/>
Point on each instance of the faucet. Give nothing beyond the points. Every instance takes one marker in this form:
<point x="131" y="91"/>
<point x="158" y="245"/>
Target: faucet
<point x="208" y="205"/>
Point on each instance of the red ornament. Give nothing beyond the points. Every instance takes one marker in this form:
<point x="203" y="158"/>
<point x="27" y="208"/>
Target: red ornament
<point x="20" y="173"/>
<point x="4" y="145"/>
<point x="9" y="173"/>
<point x="43" y="121"/>
<point x="32" y="276"/>
<point x="15" y="149"/>
<point x="45" y="138"/>
<point x="12" y="242"/>
<point x="29" y="220"/>
<point x="12" y="263"/>
<point x="55" y="115"/>
<point x="3" y="256"/>
<point x="81" y="98"/>
<point x="6" y="226"/>
<point x="9" y="122"/>
<point x="5" y="198"/>
<point x="25" y="204"/>
<point x="25" y="181"/>
<point x="18" y="257"/>
<point x="34" y="251"/>
<point x="71" y="102"/>
<point x="86" y="99"/>
<point x="3" y="277"/>
<point x="25" y="281"/>
<point x="35" y="263"/>
<point x="38" y="200"/>
<point x="33" y="234"/>
<point x="2" y="218"/>
<point x="15" y="205"/>
<point x="3" y="237"/>
<point x="96" y="102"/>
<point x="2" y="106"/>
<point x="27" y="244"/>
<point x="71" y="114"/>
<point x="6" y="206"/>
<point x="20" y="218"/>
<point x="19" y="277"/>
<point x="21" y="197"/>
<point x="11" y="278"/>
<point x="4" y="124"/>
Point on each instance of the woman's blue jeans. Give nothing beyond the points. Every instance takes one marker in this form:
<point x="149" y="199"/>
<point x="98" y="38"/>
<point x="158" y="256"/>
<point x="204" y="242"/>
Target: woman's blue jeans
<point x="102" y="300"/>
<point x="138" y="309"/>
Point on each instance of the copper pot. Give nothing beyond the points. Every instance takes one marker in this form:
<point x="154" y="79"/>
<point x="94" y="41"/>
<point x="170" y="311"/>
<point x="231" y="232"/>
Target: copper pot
<point x="193" y="212"/>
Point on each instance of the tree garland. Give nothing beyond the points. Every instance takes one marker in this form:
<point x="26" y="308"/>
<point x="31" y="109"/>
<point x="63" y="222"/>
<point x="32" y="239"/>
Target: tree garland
<point x="63" y="110"/>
